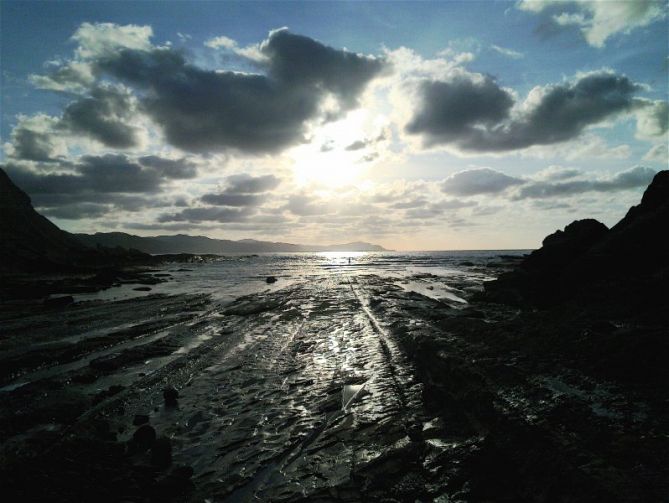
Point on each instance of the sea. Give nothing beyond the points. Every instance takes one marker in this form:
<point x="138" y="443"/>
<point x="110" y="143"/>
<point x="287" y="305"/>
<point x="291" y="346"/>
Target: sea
<point x="431" y="273"/>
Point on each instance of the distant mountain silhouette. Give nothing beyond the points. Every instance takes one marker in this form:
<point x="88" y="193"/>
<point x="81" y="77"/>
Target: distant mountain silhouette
<point x="182" y="243"/>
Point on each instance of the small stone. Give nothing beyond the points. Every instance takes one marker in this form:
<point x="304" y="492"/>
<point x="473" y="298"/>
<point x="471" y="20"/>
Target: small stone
<point x="144" y="436"/>
<point x="140" y="419"/>
<point x="270" y="280"/>
<point x="161" y="453"/>
<point x="170" y="395"/>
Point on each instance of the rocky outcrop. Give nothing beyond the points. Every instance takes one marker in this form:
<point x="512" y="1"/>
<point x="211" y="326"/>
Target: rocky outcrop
<point x="28" y="240"/>
<point x="625" y="265"/>
<point x="30" y="243"/>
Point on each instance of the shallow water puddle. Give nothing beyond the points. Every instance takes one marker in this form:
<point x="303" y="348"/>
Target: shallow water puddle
<point x="349" y="393"/>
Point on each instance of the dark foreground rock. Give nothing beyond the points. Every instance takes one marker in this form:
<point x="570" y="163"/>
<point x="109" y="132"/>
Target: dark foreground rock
<point x="624" y="269"/>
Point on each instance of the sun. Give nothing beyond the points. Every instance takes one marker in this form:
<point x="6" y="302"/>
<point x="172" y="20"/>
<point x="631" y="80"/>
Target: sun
<point x="329" y="169"/>
<point x="338" y="153"/>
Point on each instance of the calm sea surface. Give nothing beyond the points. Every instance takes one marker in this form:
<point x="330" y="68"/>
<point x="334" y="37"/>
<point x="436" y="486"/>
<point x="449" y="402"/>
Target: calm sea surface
<point x="236" y="275"/>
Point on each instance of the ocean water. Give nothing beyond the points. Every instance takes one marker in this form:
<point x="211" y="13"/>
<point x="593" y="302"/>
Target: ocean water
<point x="430" y="273"/>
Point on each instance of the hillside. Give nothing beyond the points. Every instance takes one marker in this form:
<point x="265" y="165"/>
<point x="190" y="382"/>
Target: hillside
<point x="29" y="241"/>
<point x="182" y="243"/>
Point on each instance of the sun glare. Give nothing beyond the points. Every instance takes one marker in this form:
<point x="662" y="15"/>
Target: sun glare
<point x="330" y="169"/>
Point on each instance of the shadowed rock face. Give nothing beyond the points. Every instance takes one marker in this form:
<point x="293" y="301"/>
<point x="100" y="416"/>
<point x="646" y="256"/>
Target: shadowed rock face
<point x="629" y="262"/>
<point x="29" y="241"/>
<point x="562" y="248"/>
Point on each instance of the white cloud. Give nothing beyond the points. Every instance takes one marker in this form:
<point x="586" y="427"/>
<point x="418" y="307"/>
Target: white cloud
<point x="101" y="39"/>
<point x="222" y="41"/>
<point x="601" y="19"/>
<point x="510" y="53"/>
<point x="658" y="153"/>
<point x="652" y="120"/>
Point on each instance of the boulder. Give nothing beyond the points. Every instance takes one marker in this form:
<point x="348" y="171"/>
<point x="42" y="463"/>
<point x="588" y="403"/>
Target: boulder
<point x="144" y="436"/>
<point x="170" y="396"/>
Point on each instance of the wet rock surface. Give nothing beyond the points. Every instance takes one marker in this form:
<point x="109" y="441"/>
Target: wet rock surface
<point x="350" y="388"/>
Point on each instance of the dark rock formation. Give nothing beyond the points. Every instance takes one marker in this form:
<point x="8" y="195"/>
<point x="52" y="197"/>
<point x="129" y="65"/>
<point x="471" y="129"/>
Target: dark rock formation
<point x="625" y="267"/>
<point x="28" y="241"/>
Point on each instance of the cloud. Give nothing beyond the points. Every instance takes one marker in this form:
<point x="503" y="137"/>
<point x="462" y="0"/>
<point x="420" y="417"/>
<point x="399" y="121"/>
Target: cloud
<point x="304" y="205"/>
<point x="208" y="214"/>
<point x="176" y="169"/>
<point x="243" y="190"/>
<point x="32" y="139"/>
<point x="102" y="39"/>
<point x="558" y="173"/>
<point x="509" y="53"/>
<point x="76" y="211"/>
<point x="478" y="181"/>
<point x="225" y="199"/>
<point x="658" y="153"/>
<point x="475" y="115"/>
<point x="201" y="110"/>
<point x="247" y="184"/>
<point x="222" y="41"/>
<point x="636" y="177"/>
<point x="299" y="60"/>
<point x="103" y="115"/>
<point x="69" y="76"/>
<point x="114" y="180"/>
<point x="652" y="120"/>
<point x="599" y="20"/>
<point x="453" y="111"/>
<point x="300" y="81"/>
<point x="366" y="142"/>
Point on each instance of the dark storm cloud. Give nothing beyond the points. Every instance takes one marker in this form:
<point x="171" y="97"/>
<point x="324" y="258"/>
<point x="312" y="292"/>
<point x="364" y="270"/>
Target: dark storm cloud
<point x="170" y="168"/>
<point x="478" y="181"/>
<point x="32" y="145"/>
<point x="243" y="190"/>
<point x="299" y="60"/>
<point x="102" y="116"/>
<point x="201" y="110"/>
<point x="636" y="177"/>
<point x="476" y="116"/>
<point x="115" y="182"/>
<point x="451" y="111"/>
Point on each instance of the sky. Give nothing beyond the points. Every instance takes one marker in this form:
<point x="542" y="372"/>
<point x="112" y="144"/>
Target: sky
<point x="414" y="125"/>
